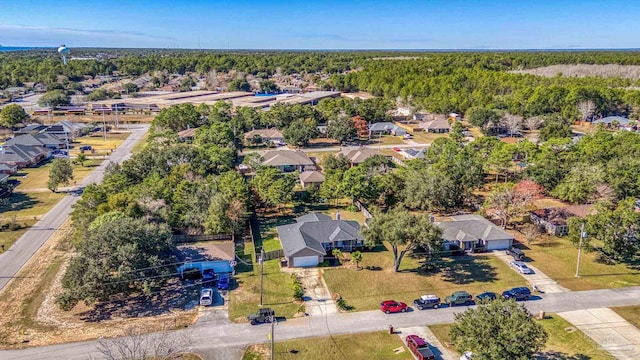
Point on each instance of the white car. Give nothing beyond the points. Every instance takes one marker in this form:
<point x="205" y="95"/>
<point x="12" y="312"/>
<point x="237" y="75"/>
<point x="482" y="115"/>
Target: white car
<point x="206" y="297"/>
<point x="468" y="355"/>
<point x="521" y="267"/>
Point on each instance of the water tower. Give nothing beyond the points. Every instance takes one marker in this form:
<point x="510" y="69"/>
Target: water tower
<point x="64" y="51"/>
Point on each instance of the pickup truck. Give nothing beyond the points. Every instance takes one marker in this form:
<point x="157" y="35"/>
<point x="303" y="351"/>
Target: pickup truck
<point x="420" y="348"/>
<point x="263" y="315"/>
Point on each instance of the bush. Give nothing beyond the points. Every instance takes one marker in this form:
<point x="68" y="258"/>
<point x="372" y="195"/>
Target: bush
<point x="298" y="291"/>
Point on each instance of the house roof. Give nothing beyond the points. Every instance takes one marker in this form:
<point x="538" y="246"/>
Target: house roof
<point x="415" y="153"/>
<point x="560" y="215"/>
<point x="357" y="156"/>
<point x="436" y="124"/>
<point x="382" y="126"/>
<point x="39" y="139"/>
<point x="264" y="133"/>
<point x="5" y="167"/>
<point x="31" y="128"/>
<point x="312" y="230"/>
<point x="286" y="157"/>
<point x="187" y="133"/>
<point x="19" y="153"/>
<point x="4" y="177"/>
<point x="471" y="228"/>
<point x="312" y="176"/>
<point x="610" y="119"/>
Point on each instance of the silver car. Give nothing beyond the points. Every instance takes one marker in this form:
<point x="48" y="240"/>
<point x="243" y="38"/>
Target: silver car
<point x="206" y="297"/>
<point x="521" y="267"/>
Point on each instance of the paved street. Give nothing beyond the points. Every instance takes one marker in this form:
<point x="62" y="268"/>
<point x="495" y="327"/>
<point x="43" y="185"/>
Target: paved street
<point x="234" y="336"/>
<point x="15" y="257"/>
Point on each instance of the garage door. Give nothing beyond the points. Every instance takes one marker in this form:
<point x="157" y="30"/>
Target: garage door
<point x="498" y="244"/>
<point x="302" y="261"/>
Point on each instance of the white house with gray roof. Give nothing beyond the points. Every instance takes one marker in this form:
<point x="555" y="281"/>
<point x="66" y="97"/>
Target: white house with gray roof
<point x="314" y="235"/>
<point x="472" y="231"/>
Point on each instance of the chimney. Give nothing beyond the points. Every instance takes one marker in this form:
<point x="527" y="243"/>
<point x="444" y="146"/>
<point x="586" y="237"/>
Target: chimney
<point x="338" y="215"/>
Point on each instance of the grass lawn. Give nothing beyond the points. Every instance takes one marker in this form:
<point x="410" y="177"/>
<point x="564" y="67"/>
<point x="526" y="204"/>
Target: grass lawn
<point x="22" y="205"/>
<point x="140" y="144"/>
<point x="365" y="289"/>
<point x="557" y="257"/>
<point x="376" y="345"/>
<point x="629" y="313"/>
<point x="560" y="345"/>
<point x="422" y="137"/>
<point x="7" y="238"/>
<point x="36" y="178"/>
<point x="97" y="142"/>
<point x="387" y="140"/>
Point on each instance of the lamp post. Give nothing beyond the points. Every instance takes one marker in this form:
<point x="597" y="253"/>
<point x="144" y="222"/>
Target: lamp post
<point x="582" y="235"/>
<point x="261" y="261"/>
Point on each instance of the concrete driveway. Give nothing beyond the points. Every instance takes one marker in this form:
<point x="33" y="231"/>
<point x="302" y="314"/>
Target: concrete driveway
<point x="317" y="298"/>
<point x="609" y="330"/>
<point x="217" y="313"/>
<point x="544" y="283"/>
<point x="435" y="345"/>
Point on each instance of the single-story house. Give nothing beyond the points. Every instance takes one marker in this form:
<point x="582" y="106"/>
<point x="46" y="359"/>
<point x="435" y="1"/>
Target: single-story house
<point x="187" y="135"/>
<point x="315" y="235"/>
<point x="554" y="220"/>
<point x="311" y="179"/>
<point x="472" y="231"/>
<point x="359" y="155"/>
<point x="436" y="126"/>
<point x="30" y="129"/>
<point x="288" y="160"/>
<point x="44" y="140"/>
<point x="8" y="169"/>
<point x="414" y="153"/>
<point x="274" y="135"/>
<point x="609" y="120"/>
<point x="21" y="155"/>
<point x="386" y="128"/>
<point x="66" y="129"/>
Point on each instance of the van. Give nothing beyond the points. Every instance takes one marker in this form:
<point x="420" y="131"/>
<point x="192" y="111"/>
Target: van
<point x="516" y="253"/>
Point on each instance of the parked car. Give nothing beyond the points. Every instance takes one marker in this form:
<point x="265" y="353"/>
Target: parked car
<point x="517" y="293"/>
<point x="223" y="282"/>
<point x="263" y="315"/>
<point x="206" y="296"/>
<point x="85" y="147"/>
<point x="521" y="267"/>
<point x="468" y="355"/>
<point x="392" y="306"/>
<point x="427" y="302"/>
<point x="420" y="348"/>
<point x="407" y="136"/>
<point x="486" y="296"/>
<point x="208" y="277"/>
<point x="459" y="298"/>
<point x="397" y="149"/>
<point x="516" y="253"/>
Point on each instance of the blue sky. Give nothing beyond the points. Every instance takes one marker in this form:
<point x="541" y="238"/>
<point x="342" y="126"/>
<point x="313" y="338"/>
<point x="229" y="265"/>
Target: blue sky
<point x="323" y="24"/>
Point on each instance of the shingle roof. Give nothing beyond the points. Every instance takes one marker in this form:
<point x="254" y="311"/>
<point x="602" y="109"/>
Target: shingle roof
<point x="359" y="155"/>
<point x="286" y="157"/>
<point x="19" y="153"/>
<point x="312" y="176"/>
<point x="40" y="139"/>
<point x="471" y="227"/>
<point x="382" y="126"/>
<point x="416" y="153"/>
<point x="187" y="133"/>
<point x="264" y="133"/>
<point x="314" y="229"/>
<point x="436" y="124"/>
<point x="610" y="119"/>
<point x="559" y="215"/>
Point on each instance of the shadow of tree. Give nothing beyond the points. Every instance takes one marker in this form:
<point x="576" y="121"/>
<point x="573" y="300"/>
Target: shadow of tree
<point x="19" y="201"/>
<point x="468" y="269"/>
<point x="556" y="355"/>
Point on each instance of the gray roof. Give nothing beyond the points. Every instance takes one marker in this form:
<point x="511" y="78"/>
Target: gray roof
<point x="4" y="178"/>
<point x="312" y="176"/>
<point x="19" y="153"/>
<point x="610" y="119"/>
<point x="264" y="133"/>
<point x="359" y="155"/>
<point x="286" y="157"/>
<point x="436" y="124"/>
<point x="312" y="230"/>
<point x="471" y="227"/>
<point x="416" y="153"/>
<point x="40" y="139"/>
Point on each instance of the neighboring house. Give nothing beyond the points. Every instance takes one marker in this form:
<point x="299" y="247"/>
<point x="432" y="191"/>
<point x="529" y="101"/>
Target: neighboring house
<point x="30" y="129"/>
<point x="414" y="153"/>
<point x="359" y="155"/>
<point x="386" y="128"/>
<point x="274" y="135"/>
<point x="400" y="114"/>
<point x="609" y="120"/>
<point x="315" y="235"/>
<point x="39" y="139"/>
<point x="469" y="232"/>
<point x="436" y="126"/>
<point x="554" y="220"/>
<point x="22" y="156"/>
<point x="65" y="130"/>
<point x="187" y="135"/>
<point x="218" y="267"/>
<point x="311" y="179"/>
<point x="3" y="178"/>
<point x="8" y="169"/>
<point x="288" y="160"/>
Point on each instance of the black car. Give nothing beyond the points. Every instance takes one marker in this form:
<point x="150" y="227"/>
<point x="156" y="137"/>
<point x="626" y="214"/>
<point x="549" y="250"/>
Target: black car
<point x="516" y="253"/>
<point x="263" y="315"/>
<point x="518" y="293"/>
<point x="427" y="302"/>
<point x="486" y="296"/>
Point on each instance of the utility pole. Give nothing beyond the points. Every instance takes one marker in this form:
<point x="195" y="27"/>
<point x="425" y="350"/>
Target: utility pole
<point x="104" y="126"/>
<point x="273" y="321"/>
<point x="580" y="250"/>
<point x="261" y="260"/>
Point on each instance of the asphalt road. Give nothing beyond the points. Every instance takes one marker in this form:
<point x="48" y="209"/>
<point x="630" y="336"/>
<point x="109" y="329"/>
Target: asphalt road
<point x="218" y="339"/>
<point x="12" y="260"/>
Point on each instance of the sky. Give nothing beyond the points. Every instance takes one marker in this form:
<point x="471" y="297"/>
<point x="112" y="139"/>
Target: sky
<point x="323" y="24"/>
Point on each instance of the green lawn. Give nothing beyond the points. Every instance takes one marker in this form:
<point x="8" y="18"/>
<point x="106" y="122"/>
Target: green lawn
<point x="35" y="178"/>
<point x="365" y="289"/>
<point x="7" y="238"/>
<point x="557" y="257"/>
<point x="140" y="144"/>
<point x="629" y="313"/>
<point x="97" y="142"/>
<point x="387" y="140"/>
<point x="574" y="345"/>
<point x="376" y="345"/>
<point x="22" y="205"/>
<point x="422" y="137"/>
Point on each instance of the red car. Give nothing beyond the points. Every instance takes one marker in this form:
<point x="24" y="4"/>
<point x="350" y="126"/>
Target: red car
<point x="420" y="348"/>
<point x="392" y="306"/>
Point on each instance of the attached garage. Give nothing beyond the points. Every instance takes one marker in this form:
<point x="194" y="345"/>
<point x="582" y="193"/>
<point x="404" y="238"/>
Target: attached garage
<point x="305" y="261"/>
<point x="498" y="244"/>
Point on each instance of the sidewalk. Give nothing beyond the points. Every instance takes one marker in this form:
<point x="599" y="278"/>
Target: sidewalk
<point x="544" y="283"/>
<point x="609" y="330"/>
<point x="317" y="298"/>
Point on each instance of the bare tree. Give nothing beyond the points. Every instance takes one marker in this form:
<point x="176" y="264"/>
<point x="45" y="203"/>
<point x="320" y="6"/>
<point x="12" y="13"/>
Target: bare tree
<point x="212" y="80"/>
<point x="136" y="345"/>
<point x="533" y="123"/>
<point x="513" y="123"/>
<point x="586" y="108"/>
<point x="530" y="232"/>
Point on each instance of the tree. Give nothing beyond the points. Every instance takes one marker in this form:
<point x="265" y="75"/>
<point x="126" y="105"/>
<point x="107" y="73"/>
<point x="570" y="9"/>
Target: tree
<point x="273" y="187"/>
<point x="356" y="256"/>
<point x="12" y="115"/>
<point x="300" y="132"/>
<point x="530" y="232"/>
<point x="507" y="200"/>
<point x="336" y="162"/>
<point x="98" y="94"/>
<point x="239" y="85"/>
<point x="456" y="133"/>
<point x="555" y="127"/>
<point x="131" y="88"/>
<point x="61" y="173"/>
<point x="268" y="87"/>
<point x="586" y="108"/>
<point x="533" y="122"/>
<point x="500" y="329"/>
<point x="178" y="117"/>
<point x="485" y="119"/>
<point x="54" y="98"/>
<point x="337" y="253"/>
<point x="81" y="158"/>
<point x="404" y="232"/>
<point x="513" y="123"/>
<point x="341" y="128"/>
<point x="501" y="159"/>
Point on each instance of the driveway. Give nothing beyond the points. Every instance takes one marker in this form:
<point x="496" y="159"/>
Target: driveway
<point x="544" y="283"/>
<point x="424" y="332"/>
<point x="317" y="298"/>
<point x="217" y="313"/>
<point x="609" y="330"/>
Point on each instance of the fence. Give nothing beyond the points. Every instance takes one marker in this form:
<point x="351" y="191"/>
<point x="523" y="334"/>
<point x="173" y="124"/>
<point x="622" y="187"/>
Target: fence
<point x="181" y="239"/>
<point x="365" y="212"/>
<point x="397" y="161"/>
<point x="270" y="255"/>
